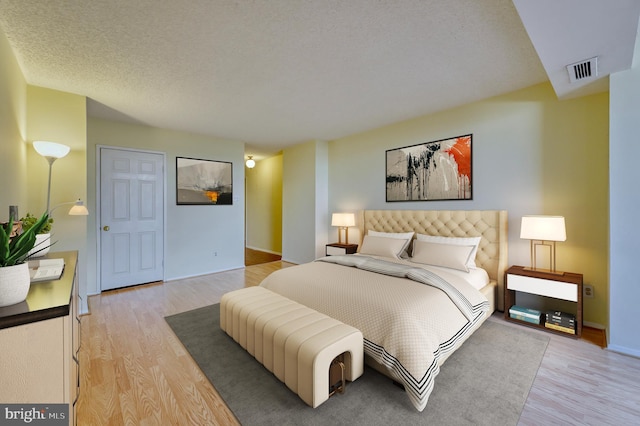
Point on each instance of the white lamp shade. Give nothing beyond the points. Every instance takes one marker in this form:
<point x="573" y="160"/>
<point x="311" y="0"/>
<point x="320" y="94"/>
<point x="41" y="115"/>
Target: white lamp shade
<point x="79" y="209"/>
<point x="544" y="228"/>
<point x="51" y="149"/>
<point x="343" y="219"/>
<point x="251" y="163"/>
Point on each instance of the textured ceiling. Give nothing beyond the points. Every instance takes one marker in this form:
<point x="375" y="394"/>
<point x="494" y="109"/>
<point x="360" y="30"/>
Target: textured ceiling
<point x="273" y="72"/>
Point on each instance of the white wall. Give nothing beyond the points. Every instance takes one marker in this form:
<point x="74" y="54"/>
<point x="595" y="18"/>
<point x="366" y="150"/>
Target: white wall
<point x="304" y="202"/>
<point x="624" y="204"/>
<point x="322" y="198"/>
<point x="194" y="233"/>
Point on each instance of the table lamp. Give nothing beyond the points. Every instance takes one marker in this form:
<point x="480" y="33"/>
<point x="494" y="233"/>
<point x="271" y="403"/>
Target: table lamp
<point x="543" y="231"/>
<point x="343" y="221"/>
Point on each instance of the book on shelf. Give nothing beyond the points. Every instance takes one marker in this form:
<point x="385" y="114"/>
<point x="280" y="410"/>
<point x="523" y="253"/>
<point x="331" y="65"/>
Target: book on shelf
<point x="526" y="312"/>
<point x="560" y="318"/>
<point x="563" y="323"/>
<point x="560" y="314"/>
<point x="569" y="330"/>
<point x="45" y="269"/>
<point x="528" y="319"/>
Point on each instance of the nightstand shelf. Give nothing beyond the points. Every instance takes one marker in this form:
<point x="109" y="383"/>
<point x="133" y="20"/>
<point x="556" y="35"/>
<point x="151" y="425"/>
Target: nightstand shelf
<point x="336" y="249"/>
<point x="567" y="287"/>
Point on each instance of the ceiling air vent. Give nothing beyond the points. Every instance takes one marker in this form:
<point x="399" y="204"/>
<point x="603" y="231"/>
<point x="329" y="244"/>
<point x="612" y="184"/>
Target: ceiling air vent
<point x="583" y="70"/>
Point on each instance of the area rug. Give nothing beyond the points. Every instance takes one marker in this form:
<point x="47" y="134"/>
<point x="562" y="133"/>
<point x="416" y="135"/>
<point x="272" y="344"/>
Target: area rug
<point x="485" y="382"/>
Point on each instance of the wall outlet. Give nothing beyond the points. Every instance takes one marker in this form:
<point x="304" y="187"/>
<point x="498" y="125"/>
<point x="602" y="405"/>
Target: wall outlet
<point x="587" y="291"/>
<point x="215" y="254"/>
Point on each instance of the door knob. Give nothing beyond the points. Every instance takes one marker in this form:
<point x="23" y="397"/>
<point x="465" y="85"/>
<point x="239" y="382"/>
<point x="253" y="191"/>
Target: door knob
<point x="106" y="227"/>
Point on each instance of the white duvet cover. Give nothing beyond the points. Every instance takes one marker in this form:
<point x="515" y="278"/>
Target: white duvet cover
<point x="412" y="319"/>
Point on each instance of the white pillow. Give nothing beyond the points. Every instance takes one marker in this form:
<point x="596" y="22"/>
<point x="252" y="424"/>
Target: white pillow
<point x="381" y="246"/>
<point x="407" y="236"/>
<point x="470" y="241"/>
<point x="447" y="255"/>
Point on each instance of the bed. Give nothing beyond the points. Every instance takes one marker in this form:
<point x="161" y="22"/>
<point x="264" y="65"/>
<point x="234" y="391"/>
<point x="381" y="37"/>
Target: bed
<point x="409" y="289"/>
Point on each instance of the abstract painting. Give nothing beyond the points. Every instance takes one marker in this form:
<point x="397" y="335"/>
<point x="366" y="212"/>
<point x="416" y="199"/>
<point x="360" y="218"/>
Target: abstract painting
<point x="205" y="182"/>
<point x="438" y="170"/>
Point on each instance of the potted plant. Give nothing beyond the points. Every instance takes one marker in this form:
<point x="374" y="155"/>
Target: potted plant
<point x="43" y="237"/>
<point x="14" y="252"/>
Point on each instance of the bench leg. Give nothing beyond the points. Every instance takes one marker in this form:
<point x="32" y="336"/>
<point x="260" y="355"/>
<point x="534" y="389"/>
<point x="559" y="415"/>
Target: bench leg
<point x="337" y="382"/>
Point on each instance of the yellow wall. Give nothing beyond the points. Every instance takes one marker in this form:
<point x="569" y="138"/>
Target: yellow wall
<point x="264" y="205"/>
<point x="13" y="152"/>
<point x="30" y="113"/>
<point x="532" y="154"/>
<point x="57" y="117"/>
<point x="575" y="171"/>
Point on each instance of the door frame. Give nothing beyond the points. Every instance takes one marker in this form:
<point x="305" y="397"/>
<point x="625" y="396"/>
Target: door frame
<point x="99" y="201"/>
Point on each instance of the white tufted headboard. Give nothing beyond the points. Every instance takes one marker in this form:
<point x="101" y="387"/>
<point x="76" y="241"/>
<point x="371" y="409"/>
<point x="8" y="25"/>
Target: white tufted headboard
<point x="491" y="225"/>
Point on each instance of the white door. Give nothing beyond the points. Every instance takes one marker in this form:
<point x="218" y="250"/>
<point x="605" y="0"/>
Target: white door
<point x="131" y="218"/>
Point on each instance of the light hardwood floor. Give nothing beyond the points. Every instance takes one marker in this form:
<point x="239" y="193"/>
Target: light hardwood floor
<point x="134" y="371"/>
<point x="256" y="257"/>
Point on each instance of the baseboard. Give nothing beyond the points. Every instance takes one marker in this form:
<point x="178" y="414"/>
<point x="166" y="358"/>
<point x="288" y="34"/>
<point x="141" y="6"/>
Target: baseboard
<point x="84" y="305"/>
<point x="166" y="280"/>
<point x="264" y="250"/>
<point x="624" y="350"/>
<point x="593" y="325"/>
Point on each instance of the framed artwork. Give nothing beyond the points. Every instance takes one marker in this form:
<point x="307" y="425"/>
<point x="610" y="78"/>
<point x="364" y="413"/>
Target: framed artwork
<point x="204" y="182"/>
<point x="438" y="170"/>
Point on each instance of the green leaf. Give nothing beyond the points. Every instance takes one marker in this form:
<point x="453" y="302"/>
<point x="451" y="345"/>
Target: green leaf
<point x="4" y="243"/>
<point x="16" y="250"/>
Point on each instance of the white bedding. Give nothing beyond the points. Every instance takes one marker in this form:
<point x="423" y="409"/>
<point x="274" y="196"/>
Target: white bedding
<point x="410" y="326"/>
<point x="477" y="277"/>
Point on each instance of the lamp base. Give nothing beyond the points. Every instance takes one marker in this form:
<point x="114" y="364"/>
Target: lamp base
<point x="346" y="234"/>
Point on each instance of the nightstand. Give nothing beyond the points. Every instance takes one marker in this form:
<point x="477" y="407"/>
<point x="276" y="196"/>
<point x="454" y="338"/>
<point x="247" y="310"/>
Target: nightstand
<point x="336" y="249"/>
<point x="562" y="287"/>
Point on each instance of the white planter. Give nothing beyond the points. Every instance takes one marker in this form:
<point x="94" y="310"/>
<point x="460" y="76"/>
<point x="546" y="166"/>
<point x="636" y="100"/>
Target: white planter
<point x="14" y="284"/>
<point x="43" y="241"/>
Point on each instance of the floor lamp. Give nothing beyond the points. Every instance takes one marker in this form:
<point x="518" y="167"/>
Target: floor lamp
<point x="51" y="151"/>
<point x="78" y="208"/>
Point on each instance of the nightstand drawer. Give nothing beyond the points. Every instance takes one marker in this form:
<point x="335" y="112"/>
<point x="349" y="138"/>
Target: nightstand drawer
<point x="542" y="287"/>
<point x="337" y="249"/>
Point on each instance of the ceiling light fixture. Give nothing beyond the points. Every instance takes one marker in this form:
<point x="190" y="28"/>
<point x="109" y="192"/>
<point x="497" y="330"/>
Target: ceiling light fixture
<point x="250" y="162"/>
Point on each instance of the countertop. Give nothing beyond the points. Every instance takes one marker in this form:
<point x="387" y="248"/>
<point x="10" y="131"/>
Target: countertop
<point x="46" y="299"/>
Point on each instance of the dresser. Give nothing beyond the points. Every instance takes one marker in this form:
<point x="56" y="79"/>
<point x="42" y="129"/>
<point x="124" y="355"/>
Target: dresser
<point x="40" y="340"/>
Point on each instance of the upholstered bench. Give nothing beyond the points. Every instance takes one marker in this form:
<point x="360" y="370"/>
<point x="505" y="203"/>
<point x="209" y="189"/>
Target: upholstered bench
<point x="296" y="343"/>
